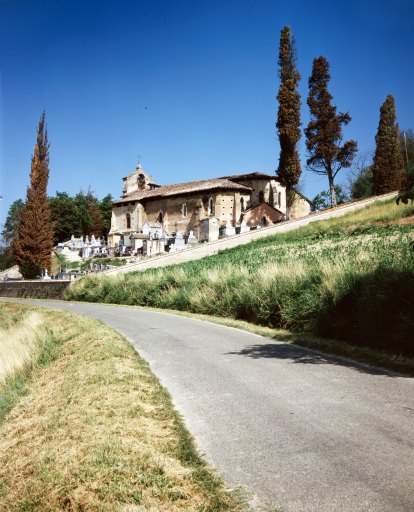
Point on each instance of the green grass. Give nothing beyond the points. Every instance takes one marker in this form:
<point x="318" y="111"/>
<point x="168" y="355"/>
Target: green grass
<point x="88" y="427"/>
<point x="349" y="279"/>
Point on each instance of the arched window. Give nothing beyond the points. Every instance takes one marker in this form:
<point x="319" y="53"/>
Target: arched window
<point x="263" y="222"/>
<point x="141" y="182"/>
<point x="184" y="210"/>
<point x="211" y="206"/>
<point x="160" y="217"/>
<point x="128" y="221"/>
<point x="279" y="198"/>
<point x="261" y="196"/>
<point x="242" y="204"/>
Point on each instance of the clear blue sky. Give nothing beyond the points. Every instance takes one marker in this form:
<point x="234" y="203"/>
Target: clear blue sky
<point x="189" y="86"/>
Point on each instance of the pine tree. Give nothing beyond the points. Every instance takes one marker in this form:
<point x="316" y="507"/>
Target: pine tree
<point x="324" y="131"/>
<point x="388" y="162"/>
<point x="33" y="244"/>
<point x="288" y="116"/>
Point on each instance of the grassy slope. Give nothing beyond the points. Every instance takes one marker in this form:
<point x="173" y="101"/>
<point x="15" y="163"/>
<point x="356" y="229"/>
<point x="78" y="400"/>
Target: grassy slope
<point x="85" y="425"/>
<point x="350" y="278"/>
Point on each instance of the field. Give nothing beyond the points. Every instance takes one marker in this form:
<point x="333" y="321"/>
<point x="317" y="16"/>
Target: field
<point x="85" y="425"/>
<point x="350" y="278"/>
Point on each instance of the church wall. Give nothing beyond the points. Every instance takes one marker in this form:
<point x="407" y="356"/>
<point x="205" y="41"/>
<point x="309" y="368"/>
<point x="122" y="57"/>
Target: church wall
<point x="270" y="189"/>
<point x="300" y="208"/>
<point x="227" y="207"/>
<point x="174" y="217"/>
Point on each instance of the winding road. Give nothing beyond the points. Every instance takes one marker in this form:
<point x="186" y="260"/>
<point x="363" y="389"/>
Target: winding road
<point x="299" y="429"/>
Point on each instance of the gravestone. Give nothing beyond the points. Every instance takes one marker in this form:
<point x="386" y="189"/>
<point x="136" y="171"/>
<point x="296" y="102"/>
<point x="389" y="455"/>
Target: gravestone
<point x="243" y="227"/>
<point x="192" y="239"/>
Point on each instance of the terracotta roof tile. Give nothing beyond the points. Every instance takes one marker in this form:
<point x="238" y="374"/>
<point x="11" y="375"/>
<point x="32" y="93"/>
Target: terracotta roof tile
<point x="251" y="176"/>
<point x="183" y="188"/>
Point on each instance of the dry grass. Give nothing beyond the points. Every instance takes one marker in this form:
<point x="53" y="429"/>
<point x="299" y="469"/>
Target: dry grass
<point x="95" y="431"/>
<point x="18" y="344"/>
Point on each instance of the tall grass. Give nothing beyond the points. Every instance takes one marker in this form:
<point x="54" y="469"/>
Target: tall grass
<point x="19" y="343"/>
<point x="351" y="278"/>
<point x="355" y="285"/>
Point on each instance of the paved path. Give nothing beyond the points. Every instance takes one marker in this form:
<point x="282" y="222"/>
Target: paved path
<point x="302" y="430"/>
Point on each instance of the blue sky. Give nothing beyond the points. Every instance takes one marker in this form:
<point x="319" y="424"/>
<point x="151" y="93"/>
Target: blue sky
<point x="187" y="86"/>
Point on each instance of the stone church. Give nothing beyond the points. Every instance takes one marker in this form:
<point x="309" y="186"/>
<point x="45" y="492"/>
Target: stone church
<point x="207" y="208"/>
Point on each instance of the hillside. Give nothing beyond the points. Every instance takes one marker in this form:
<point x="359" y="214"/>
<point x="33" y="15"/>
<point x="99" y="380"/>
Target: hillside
<point x="350" y="278"/>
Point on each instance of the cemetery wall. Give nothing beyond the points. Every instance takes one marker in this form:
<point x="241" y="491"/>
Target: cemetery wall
<point x="34" y="289"/>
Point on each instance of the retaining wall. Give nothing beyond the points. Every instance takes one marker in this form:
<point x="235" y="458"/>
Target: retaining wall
<point x="34" y="289"/>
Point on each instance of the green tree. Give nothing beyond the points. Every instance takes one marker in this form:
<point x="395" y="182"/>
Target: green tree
<point x="288" y="116"/>
<point x="64" y="217"/>
<point x="407" y="192"/>
<point x="6" y="257"/>
<point x="106" y="209"/>
<point x="387" y="167"/>
<point x="322" y="200"/>
<point x="360" y="178"/>
<point x="327" y="154"/>
<point x="95" y="213"/>
<point x="12" y="220"/>
<point x="90" y="216"/>
<point x="361" y="186"/>
<point x="32" y="246"/>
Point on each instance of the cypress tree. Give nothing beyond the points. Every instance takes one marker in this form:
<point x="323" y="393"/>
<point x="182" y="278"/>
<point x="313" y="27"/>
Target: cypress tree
<point x="388" y="162"/>
<point x="33" y="244"/>
<point x="288" y="116"/>
<point x="324" y="131"/>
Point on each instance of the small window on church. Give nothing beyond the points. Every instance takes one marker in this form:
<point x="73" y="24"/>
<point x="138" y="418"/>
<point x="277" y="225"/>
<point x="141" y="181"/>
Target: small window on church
<point x="211" y="206"/>
<point x="184" y="210"/>
<point x="261" y="196"/>
<point x="242" y="204"/>
<point x="128" y="221"/>
<point x="160" y="217"/>
<point x="141" y="182"/>
<point x="279" y="198"/>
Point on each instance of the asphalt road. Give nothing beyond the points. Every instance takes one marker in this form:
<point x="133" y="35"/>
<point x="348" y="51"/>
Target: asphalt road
<point x="303" y="431"/>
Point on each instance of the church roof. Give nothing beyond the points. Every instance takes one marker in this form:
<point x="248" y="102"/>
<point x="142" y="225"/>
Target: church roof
<point x="262" y="205"/>
<point x="183" y="188"/>
<point x="251" y="176"/>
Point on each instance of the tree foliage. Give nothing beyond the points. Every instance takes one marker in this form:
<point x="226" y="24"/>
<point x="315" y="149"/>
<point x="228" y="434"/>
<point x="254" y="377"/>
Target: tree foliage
<point x="12" y="221"/>
<point x="361" y="185"/>
<point x="407" y="146"/>
<point x="288" y="116"/>
<point x="387" y="168"/>
<point x="106" y="209"/>
<point x="6" y="257"/>
<point x="64" y="216"/>
<point x="327" y="154"/>
<point x="322" y="200"/>
<point x="83" y="214"/>
<point x="360" y="177"/>
<point x="407" y="192"/>
<point x="32" y="246"/>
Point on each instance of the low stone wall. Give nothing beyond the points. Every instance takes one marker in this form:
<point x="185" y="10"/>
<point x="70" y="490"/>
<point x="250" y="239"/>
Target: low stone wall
<point x="34" y="289"/>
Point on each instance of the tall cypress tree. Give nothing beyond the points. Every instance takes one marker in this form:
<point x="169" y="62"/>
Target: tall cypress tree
<point x="33" y="244"/>
<point x="388" y="162"/>
<point x="288" y="116"/>
<point x="324" y="131"/>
